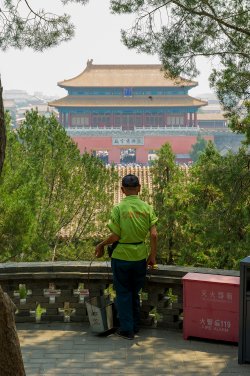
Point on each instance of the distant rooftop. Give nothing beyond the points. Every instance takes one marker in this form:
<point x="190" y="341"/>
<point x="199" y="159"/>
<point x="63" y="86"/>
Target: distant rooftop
<point x="124" y="76"/>
<point x="210" y="116"/>
<point x="9" y="103"/>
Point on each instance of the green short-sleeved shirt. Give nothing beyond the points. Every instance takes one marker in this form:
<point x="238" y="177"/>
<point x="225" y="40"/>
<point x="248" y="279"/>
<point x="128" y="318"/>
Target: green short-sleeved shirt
<point x="131" y="220"/>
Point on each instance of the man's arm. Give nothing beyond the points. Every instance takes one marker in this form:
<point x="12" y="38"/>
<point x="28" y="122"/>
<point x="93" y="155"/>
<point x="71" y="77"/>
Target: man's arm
<point x="151" y="261"/>
<point x="99" y="250"/>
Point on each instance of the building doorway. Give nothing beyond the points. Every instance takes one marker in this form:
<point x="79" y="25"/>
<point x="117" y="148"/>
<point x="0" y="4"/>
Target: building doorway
<point x="102" y="154"/>
<point x="151" y="156"/>
<point x="128" y="156"/>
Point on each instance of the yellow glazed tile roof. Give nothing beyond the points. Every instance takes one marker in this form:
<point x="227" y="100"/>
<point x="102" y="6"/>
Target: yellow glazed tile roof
<point x="210" y="116"/>
<point x="123" y="76"/>
<point x="145" y="101"/>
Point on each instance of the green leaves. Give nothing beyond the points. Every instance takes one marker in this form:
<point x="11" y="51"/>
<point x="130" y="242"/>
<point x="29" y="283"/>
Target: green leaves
<point x="223" y="206"/>
<point x="51" y="196"/>
<point x="22" y="25"/>
<point x="232" y="85"/>
<point x="198" y="148"/>
<point x="204" y="213"/>
<point x="169" y="200"/>
<point x="126" y="6"/>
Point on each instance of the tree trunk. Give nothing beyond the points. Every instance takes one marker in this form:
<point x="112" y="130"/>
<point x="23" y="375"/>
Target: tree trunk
<point x="2" y="130"/>
<point x="11" y="362"/>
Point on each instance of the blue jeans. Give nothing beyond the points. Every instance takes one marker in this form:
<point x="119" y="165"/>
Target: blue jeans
<point x="128" y="279"/>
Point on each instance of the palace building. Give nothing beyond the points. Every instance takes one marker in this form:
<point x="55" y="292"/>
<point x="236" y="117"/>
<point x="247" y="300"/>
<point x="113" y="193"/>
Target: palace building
<point x="116" y="109"/>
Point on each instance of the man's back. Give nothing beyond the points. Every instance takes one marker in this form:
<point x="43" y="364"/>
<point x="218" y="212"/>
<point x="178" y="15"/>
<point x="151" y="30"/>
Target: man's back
<point x="131" y="220"/>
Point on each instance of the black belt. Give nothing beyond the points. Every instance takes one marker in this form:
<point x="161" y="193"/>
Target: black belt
<point x="112" y="246"/>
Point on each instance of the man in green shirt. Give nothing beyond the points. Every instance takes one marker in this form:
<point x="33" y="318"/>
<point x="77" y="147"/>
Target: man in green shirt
<point x="130" y="222"/>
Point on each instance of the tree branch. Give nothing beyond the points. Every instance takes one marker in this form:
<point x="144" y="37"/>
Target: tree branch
<point x="36" y="14"/>
<point x="199" y="13"/>
<point x="213" y="17"/>
<point x="221" y="27"/>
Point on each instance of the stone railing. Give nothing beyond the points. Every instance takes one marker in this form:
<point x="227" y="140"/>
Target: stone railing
<point x="57" y="291"/>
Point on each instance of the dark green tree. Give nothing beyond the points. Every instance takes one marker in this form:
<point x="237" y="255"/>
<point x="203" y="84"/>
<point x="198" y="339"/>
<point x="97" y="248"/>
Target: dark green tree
<point x="241" y="124"/>
<point x="198" y="148"/>
<point x="217" y="230"/>
<point x="203" y="212"/>
<point x="169" y="200"/>
<point x="53" y="200"/>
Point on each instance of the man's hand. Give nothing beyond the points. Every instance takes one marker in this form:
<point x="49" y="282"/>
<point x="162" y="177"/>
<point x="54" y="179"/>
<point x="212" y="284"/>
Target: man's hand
<point x="99" y="250"/>
<point x="151" y="261"/>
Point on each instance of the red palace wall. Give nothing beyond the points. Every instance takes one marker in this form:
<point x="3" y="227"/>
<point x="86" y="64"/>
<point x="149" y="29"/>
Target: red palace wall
<point x="179" y="144"/>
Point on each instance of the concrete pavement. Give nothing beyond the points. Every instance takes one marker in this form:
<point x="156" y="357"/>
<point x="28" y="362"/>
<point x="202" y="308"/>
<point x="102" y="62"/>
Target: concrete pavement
<point x="71" y="349"/>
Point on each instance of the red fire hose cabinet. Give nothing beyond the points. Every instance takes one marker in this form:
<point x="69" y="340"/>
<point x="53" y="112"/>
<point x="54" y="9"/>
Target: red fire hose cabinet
<point x="211" y="306"/>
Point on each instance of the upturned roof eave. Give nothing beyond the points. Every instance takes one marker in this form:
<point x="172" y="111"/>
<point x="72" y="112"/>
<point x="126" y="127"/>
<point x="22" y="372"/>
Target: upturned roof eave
<point x="92" y="67"/>
<point x="73" y="101"/>
<point x="53" y="104"/>
<point x="64" y="85"/>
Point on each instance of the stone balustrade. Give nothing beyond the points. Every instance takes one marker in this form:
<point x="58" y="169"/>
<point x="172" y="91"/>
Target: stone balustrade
<point x="57" y="291"/>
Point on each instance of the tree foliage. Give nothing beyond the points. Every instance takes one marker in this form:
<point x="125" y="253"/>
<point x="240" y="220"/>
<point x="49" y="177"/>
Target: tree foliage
<point x="198" y="148"/>
<point x="23" y="25"/>
<point x="53" y="200"/>
<point x="204" y="214"/>
<point x="168" y="200"/>
<point x="241" y="124"/>
<point x="179" y="31"/>
<point x="219" y="210"/>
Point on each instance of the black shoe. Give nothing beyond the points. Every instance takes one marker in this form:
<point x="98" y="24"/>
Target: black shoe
<point x="107" y="332"/>
<point x="125" y="334"/>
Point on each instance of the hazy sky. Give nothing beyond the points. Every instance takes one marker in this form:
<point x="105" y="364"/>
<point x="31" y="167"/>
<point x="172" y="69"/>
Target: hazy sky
<point x="97" y="37"/>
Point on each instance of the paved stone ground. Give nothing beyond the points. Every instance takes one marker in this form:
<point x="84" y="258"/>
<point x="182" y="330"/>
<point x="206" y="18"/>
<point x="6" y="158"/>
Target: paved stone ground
<point x="71" y="349"/>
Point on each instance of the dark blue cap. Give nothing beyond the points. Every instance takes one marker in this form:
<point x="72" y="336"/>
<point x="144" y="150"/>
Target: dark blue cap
<point x="131" y="181"/>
